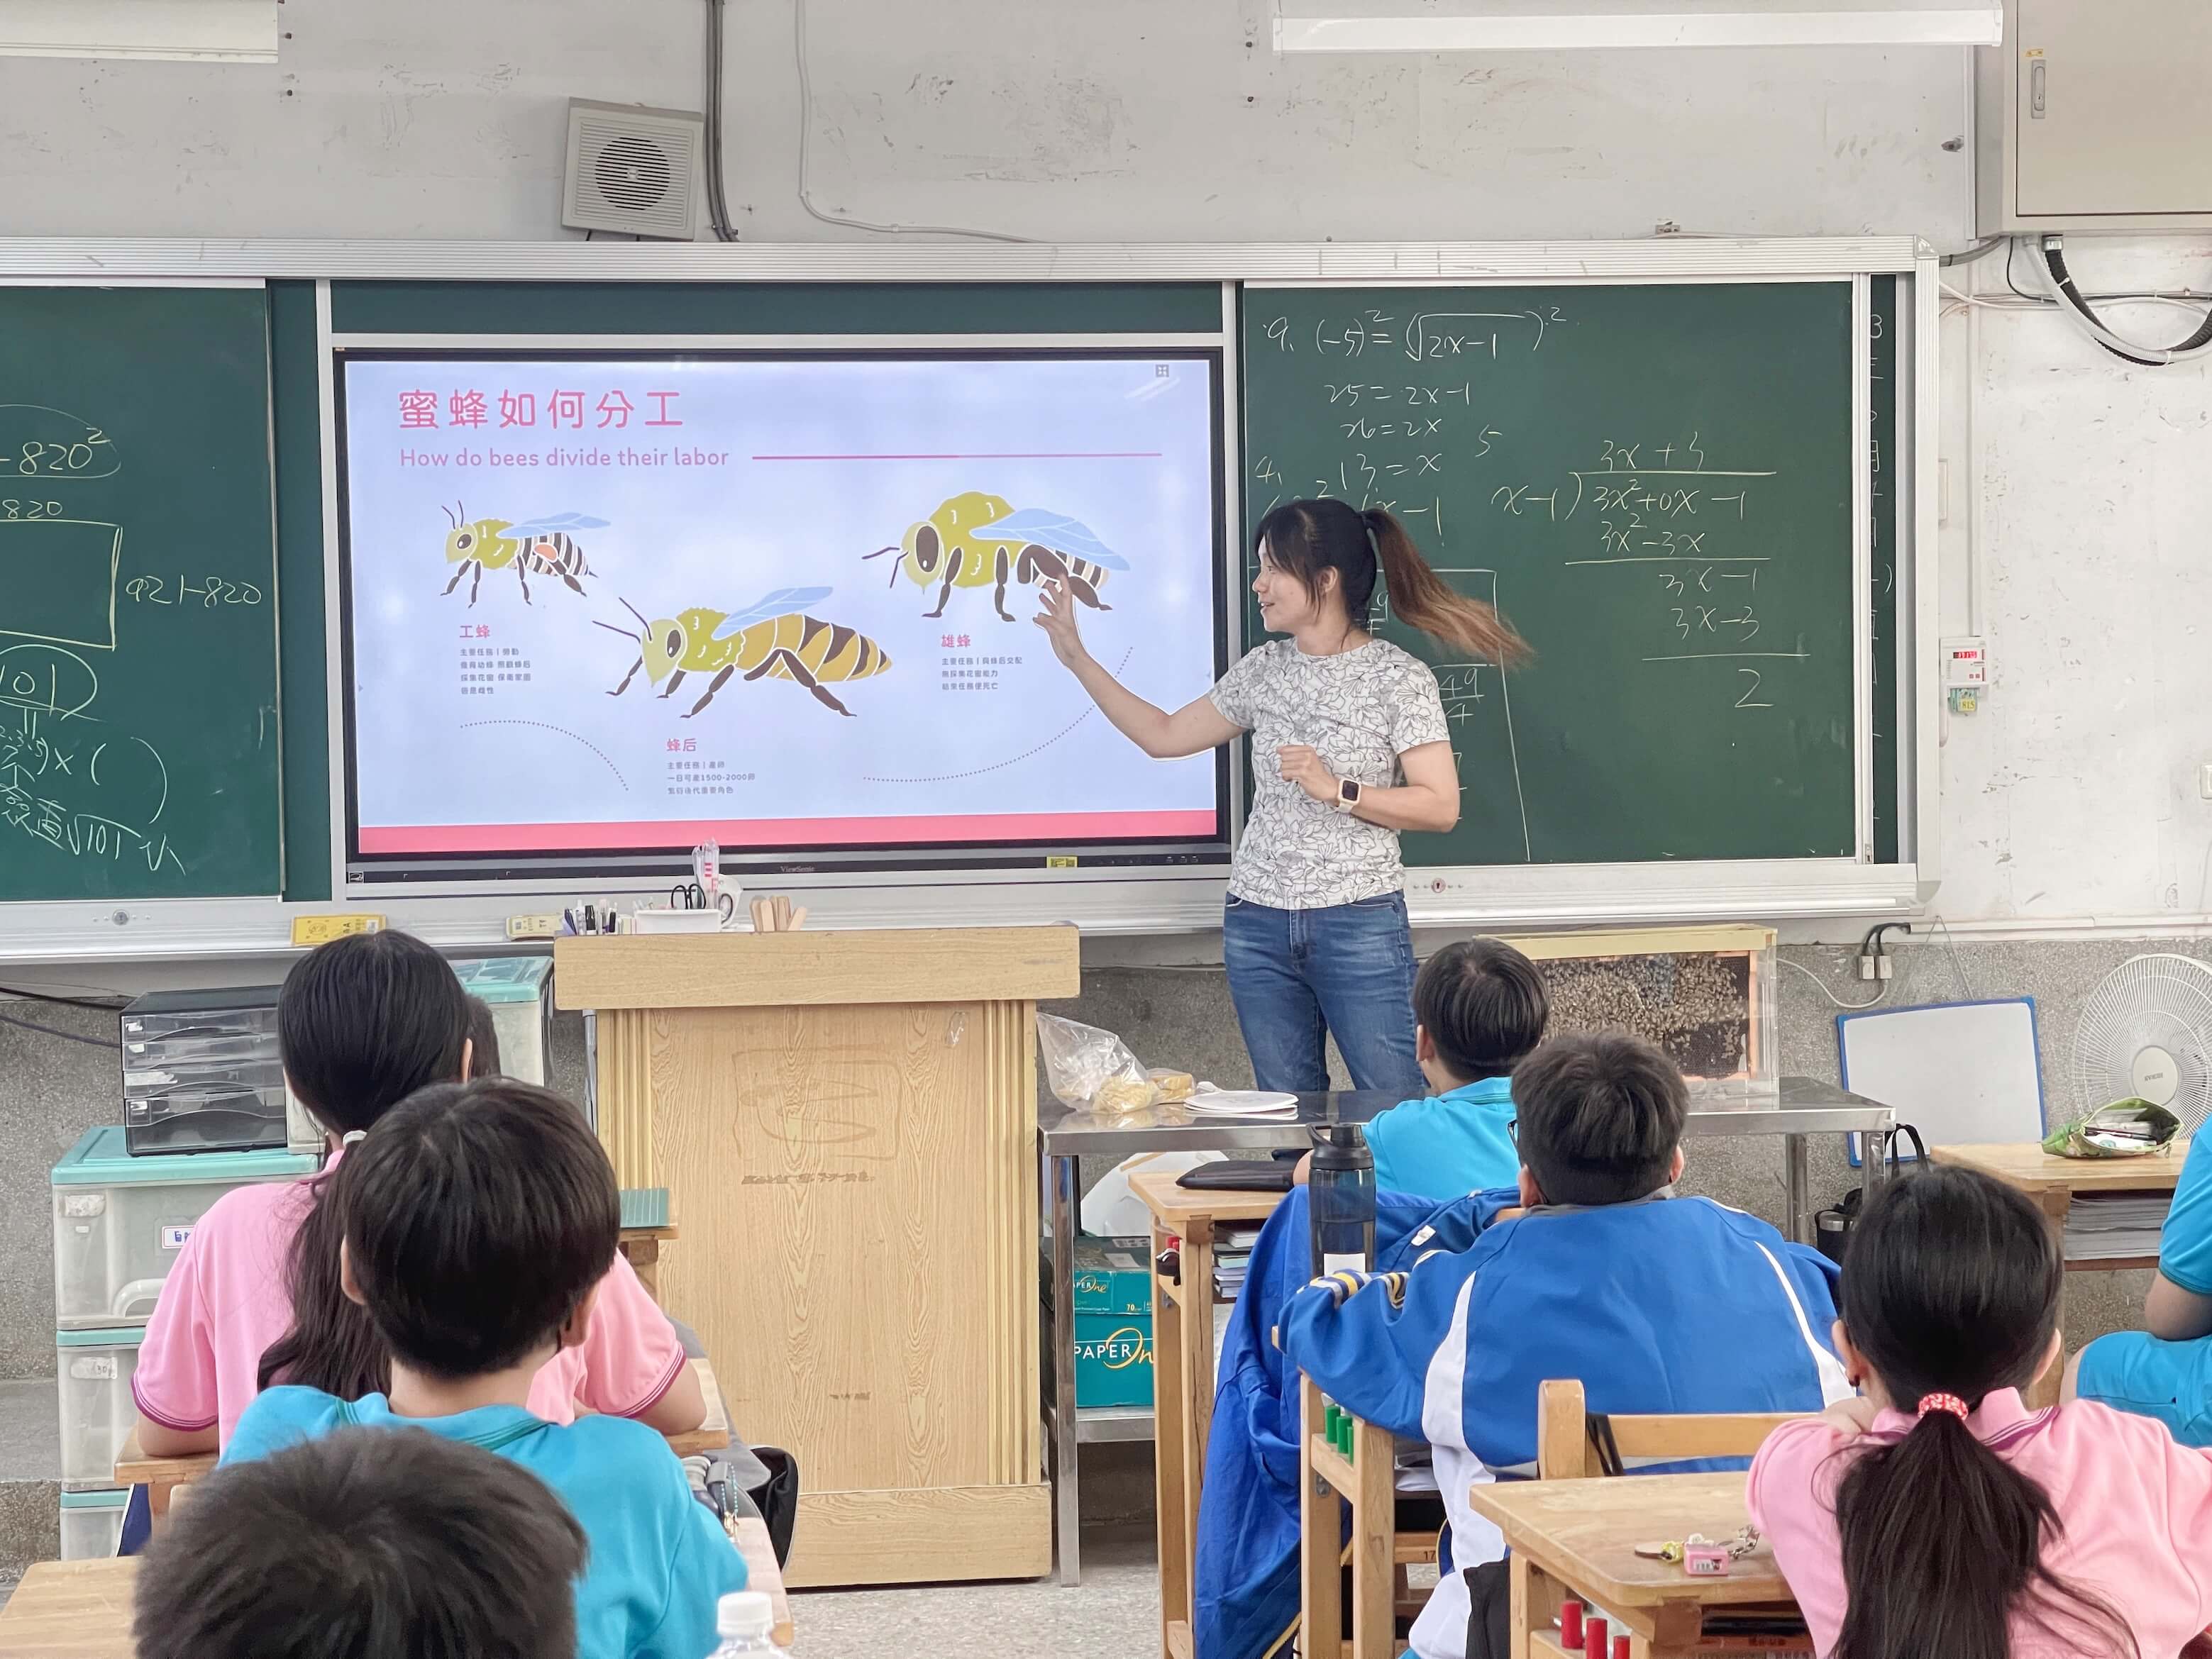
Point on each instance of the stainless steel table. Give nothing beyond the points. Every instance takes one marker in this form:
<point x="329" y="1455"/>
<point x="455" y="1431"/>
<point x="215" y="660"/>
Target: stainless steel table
<point x="1803" y="1106"/>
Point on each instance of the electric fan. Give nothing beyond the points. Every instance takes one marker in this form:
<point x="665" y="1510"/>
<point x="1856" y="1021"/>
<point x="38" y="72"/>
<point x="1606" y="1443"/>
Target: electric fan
<point x="2147" y="1031"/>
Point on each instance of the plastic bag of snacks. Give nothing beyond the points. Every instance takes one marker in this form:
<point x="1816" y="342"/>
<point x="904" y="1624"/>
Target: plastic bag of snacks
<point x="1093" y="1070"/>
<point x="2126" y="1128"/>
<point x="1174" y="1086"/>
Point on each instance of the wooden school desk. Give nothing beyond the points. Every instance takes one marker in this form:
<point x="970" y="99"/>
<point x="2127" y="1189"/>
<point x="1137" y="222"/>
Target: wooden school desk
<point x="163" y="1476"/>
<point x="81" y="1609"/>
<point x="1575" y="1540"/>
<point x="2052" y="1182"/>
<point x="71" y="1610"/>
<point x="1182" y="1374"/>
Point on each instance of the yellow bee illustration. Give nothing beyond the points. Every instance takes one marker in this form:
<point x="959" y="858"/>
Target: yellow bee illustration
<point x="542" y="545"/>
<point x="771" y="639"/>
<point x="973" y="538"/>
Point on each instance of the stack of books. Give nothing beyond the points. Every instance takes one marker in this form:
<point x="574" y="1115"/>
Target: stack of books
<point x="1232" y="1254"/>
<point x="2113" y="1226"/>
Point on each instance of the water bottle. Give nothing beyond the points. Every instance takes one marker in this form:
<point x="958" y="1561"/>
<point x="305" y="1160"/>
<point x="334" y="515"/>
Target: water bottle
<point x="744" y="1619"/>
<point x="1341" y="1197"/>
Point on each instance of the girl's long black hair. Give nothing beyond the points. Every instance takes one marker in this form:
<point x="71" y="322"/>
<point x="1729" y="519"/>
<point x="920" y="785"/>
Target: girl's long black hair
<point x="362" y="1022"/>
<point x="1305" y="538"/>
<point x="1951" y="1286"/>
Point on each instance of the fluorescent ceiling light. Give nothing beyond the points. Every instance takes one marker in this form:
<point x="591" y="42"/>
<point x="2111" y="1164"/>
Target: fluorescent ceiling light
<point x="209" y="31"/>
<point x="1428" y="25"/>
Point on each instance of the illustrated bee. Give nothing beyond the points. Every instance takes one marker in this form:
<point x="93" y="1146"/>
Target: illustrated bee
<point x="542" y="545"/>
<point x="975" y="538"/>
<point x="771" y="639"/>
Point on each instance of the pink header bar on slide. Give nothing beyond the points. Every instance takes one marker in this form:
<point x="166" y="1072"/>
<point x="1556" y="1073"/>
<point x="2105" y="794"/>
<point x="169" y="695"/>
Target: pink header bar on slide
<point x="799" y="834"/>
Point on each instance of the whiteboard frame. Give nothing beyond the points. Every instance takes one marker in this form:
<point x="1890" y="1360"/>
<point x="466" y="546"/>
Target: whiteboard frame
<point x="1111" y="902"/>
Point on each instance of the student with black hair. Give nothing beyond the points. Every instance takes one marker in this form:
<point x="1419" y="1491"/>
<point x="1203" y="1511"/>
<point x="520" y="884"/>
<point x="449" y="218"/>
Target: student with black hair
<point x="477" y="1221"/>
<point x="1479" y="1007"/>
<point x="1937" y="1516"/>
<point x="371" y="1544"/>
<point x="1655" y="1303"/>
<point x="362" y="1022"/>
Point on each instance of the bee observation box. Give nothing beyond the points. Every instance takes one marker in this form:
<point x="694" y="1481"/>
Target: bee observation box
<point x="1704" y="996"/>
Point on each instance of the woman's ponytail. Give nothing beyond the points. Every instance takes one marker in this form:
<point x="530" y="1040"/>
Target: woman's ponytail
<point x="1950" y="1293"/>
<point x="1307" y="539"/>
<point x="1421" y="598"/>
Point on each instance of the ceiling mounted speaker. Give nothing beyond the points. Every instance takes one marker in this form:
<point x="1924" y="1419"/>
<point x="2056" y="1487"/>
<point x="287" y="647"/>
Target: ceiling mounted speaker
<point x="634" y="170"/>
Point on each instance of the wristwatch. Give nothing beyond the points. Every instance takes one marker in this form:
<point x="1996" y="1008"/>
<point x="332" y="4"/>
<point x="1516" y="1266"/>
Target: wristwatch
<point x="1347" y="794"/>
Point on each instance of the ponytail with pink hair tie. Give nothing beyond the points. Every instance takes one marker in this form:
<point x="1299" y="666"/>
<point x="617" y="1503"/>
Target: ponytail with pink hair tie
<point x="1942" y="1402"/>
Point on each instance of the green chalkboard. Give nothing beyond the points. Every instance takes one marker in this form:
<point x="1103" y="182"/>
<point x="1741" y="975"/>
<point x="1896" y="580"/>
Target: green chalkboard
<point x="1654" y="483"/>
<point x="139" y="725"/>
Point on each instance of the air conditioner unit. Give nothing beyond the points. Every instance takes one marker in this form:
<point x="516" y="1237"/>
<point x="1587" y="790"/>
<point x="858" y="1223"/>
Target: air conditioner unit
<point x="633" y="169"/>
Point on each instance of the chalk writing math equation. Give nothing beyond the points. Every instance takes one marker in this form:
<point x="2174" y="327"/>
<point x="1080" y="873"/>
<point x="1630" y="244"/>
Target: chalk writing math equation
<point x="76" y="784"/>
<point x="140" y="737"/>
<point x="1661" y="515"/>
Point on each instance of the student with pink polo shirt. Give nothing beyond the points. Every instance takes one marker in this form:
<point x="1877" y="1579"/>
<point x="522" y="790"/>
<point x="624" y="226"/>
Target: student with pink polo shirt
<point x="1938" y="1514"/>
<point x="254" y="1300"/>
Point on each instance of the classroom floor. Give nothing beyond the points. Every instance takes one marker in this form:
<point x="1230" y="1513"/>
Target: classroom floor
<point x="1113" y="1615"/>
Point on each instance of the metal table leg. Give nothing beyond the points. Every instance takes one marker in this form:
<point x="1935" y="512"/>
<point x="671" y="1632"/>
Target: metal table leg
<point x="1068" y="1521"/>
<point x="1797" y="1204"/>
<point x="1873" y="1159"/>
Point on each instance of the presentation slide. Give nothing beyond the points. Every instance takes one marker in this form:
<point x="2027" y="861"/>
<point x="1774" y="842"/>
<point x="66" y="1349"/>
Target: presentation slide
<point x="606" y="604"/>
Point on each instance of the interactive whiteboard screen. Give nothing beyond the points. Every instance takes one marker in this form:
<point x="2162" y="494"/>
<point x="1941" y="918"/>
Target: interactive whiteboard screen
<point x="610" y="605"/>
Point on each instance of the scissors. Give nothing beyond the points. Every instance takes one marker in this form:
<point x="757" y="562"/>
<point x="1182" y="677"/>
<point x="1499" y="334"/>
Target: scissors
<point x="690" y="895"/>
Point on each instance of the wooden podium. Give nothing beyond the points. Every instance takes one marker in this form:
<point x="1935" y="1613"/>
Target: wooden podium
<point x="847" y="1122"/>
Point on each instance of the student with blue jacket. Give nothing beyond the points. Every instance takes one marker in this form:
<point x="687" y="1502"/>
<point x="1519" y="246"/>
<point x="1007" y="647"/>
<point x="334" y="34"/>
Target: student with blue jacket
<point x="1654" y="1303"/>
<point x="1481" y="1006"/>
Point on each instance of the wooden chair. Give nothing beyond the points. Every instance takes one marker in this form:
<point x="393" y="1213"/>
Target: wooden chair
<point x="1566" y="1451"/>
<point x="1379" y="1554"/>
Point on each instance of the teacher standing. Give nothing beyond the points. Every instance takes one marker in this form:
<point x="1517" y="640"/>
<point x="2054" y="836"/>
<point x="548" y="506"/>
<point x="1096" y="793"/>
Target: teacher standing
<point x="1350" y="748"/>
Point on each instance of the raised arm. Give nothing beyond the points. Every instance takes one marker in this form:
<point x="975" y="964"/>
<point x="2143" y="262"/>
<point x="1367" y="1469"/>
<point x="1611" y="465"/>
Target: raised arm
<point x="1193" y="729"/>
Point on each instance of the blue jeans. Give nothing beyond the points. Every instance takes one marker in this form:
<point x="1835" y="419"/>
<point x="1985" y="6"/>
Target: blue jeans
<point x="1299" y="975"/>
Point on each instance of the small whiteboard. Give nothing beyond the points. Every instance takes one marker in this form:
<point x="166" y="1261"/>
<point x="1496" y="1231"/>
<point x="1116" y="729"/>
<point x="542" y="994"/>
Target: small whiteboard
<point x="1960" y="1072"/>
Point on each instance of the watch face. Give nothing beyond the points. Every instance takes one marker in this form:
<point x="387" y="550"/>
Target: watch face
<point x="1350" y="790"/>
